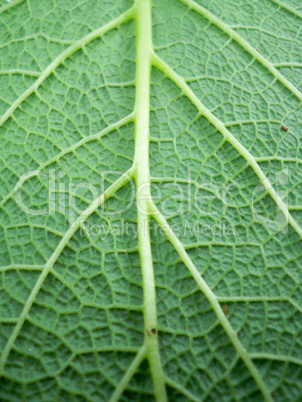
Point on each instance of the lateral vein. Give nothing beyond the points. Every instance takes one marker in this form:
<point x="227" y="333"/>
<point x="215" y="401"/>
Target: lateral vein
<point x="115" y="126"/>
<point x="280" y="358"/>
<point x="187" y="91"/>
<point x="181" y="389"/>
<point x="123" y="18"/>
<point x="10" y="5"/>
<point x="205" y="289"/>
<point x="244" y="44"/>
<point x="141" y="355"/>
<point x="122" y="181"/>
<point x="287" y="7"/>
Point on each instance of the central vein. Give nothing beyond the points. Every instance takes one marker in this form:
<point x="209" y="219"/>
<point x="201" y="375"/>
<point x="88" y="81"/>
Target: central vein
<point x="144" y="50"/>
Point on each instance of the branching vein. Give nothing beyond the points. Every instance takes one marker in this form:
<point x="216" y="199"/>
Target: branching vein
<point x="287" y="7"/>
<point x="187" y="91"/>
<point x="146" y="208"/>
<point x="10" y="5"/>
<point x="211" y="298"/>
<point x="244" y="44"/>
<point x="125" y="17"/>
<point x="280" y="358"/>
<point x="141" y="355"/>
<point x="115" y="126"/>
<point x="122" y="181"/>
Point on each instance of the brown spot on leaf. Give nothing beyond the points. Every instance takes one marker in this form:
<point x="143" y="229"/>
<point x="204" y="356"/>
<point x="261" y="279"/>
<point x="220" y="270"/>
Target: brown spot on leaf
<point x="148" y="333"/>
<point x="225" y="309"/>
<point x="153" y="330"/>
<point x="284" y="128"/>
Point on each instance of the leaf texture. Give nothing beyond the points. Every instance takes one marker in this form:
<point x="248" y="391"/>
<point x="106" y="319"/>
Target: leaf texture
<point x="151" y="200"/>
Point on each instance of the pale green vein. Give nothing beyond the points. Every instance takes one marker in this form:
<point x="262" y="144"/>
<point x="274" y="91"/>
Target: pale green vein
<point x="67" y="285"/>
<point x="278" y="159"/>
<point x="226" y="377"/>
<point x="181" y="390"/>
<point x="8" y="320"/>
<point x="123" y="18"/>
<point x="288" y="64"/>
<point x="242" y="352"/>
<point x="295" y="207"/>
<point x="144" y="51"/>
<point x="280" y="358"/>
<point x="141" y="355"/>
<point x="70" y="286"/>
<point x="261" y="30"/>
<point x="115" y="126"/>
<point x="47" y="329"/>
<point x="187" y="91"/>
<point x="21" y="267"/>
<point x="254" y="122"/>
<point x="228" y="81"/>
<point x="34" y="226"/>
<point x="287" y="7"/>
<point x="234" y="299"/>
<point x="294" y="304"/>
<point x="10" y="5"/>
<point x="244" y="44"/>
<point x="20" y="71"/>
<point x="258" y="299"/>
<point x="122" y="181"/>
<point x="36" y="36"/>
<point x="62" y="336"/>
<point x="140" y="171"/>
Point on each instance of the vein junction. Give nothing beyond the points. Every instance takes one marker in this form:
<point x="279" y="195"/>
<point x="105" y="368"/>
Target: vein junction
<point x="146" y="209"/>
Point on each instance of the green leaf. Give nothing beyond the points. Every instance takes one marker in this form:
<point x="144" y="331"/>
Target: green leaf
<point x="151" y="213"/>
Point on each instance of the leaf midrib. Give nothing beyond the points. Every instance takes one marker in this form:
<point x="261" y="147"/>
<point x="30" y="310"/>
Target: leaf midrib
<point x="135" y="13"/>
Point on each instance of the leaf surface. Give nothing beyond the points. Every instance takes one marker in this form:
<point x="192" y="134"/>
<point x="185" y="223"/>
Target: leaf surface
<point x="151" y="200"/>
